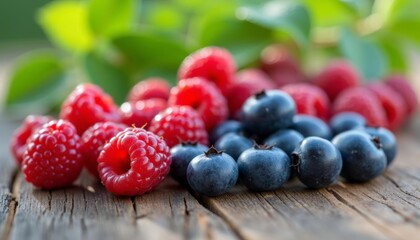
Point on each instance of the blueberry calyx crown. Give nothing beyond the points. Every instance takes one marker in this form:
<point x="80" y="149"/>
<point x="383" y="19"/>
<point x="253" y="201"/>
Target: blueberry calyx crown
<point x="263" y="147"/>
<point x="212" y="151"/>
<point x="188" y="143"/>
<point x="260" y="94"/>
<point x="377" y="141"/>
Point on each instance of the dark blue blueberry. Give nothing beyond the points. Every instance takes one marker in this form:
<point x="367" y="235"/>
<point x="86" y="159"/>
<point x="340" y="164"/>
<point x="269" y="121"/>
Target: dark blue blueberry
<point x="388" y="141"/>
<point x="317" y="162"/>
<point x="346" y="121"/>
<point x="310" y="126"/>
<point x="363" y="157"/>
<point x="233" y="144"/>
<point x="267" y="111"/>
<point x="223" y="128"/>
<point x="213" y="173"/>
<point x="182" y="154"/>
<point x="285" y="139"/>
<point x="263" y="168"/>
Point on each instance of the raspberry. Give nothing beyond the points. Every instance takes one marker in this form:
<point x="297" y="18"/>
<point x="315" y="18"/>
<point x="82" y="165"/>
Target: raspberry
<point x="179" y="123"/>
<point x="87" y="105"/>
<point x="254" y="75"/>
<point x="204" y="97"/>
<point x="52" y="159"/>
<point x="392" y="103"/>
<point x="338" y="76"/>
<point x="149" y="88"/>
<point x="401" y="86"/>
<point x="212" y="63"/>
<point x="362" y="101"/>
<point x="133" y="162"/>
<point x="93" y="141"/>
<point x="309" y="99"/>
<point x="142" y="112"/>
<point x="21" y="136"/>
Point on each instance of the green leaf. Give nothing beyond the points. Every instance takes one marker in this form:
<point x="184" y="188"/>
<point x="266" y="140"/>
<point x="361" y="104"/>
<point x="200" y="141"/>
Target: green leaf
<point x="102" y="73"/>
<point x="327" y="13"/>
<point x="289" y="16"/>
<point x="397" y="58"/>
<point x="66" y="23"/>
<point x="111" y="17"/>
<point x="365" y="56"/>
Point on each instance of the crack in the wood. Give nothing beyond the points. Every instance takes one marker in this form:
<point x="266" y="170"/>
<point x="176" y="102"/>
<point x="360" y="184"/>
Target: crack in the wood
<point x="83" y="227"/>
<point x="186" y="219"/>
<point x="293" y="199"/>
<point x="278" y="210"/>
<point x="64" y="205"/>
<point x="71" y="209"/>
<point x="133" y="204"/>
<point x="13" y="204"/>
<point x="399" y="187"/>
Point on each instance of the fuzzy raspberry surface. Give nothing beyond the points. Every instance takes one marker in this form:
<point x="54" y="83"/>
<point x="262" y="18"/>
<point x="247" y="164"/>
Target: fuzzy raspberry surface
<point x="401" y="85"/>
<point x="149" y="88"/>
<point x="142" y="112"/>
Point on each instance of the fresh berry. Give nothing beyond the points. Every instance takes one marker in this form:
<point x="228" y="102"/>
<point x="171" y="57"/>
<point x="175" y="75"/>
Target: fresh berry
<point x="52" y="159"/>
<point x="317" y="162"/>
<point x="233" y="144"/>
<point x="182" y="154"/>
<point x="267" y="111"/>
<point x="93" y="141"/>
<point x="212" y="63"/>
<point x="338" y="76"/>
<point x="392" y="103"/>
<point x="401" y="85"/>
<point x="133" y="162"/>
<point x="212" y="173"/>
<point x="254" y="75"/>
<point x="87" y="105"/>
<point x="179" y="123"/>
<point x="363" y="157"/>
<point x="263" y="168"/>
<point x="346" y="121"/>
<point x="204" y="97"/>
<point x="361" y="101"/>
<point x="223" y="128"/>
<point x="388" y="141"/>
<point x="310" y="126"/>
<point x="21" y="136"/>
<point x="149" y="88"/>
<point x="142" y="112"/>
<point x="309" y="99"/>
<point x="285" y="139"/>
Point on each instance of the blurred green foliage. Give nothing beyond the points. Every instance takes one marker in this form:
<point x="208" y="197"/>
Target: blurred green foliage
<point x="115" y="43"/>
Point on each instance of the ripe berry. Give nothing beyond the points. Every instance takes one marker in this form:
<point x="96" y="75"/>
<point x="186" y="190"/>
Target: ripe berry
<point x="285" y="139"/>
<point x="263" y="168"/>
<point x="93" y="141"/>
<point x="401" y="85"/>
<point x="338" y="76"/>
<point x="233" y="144"/>
<point x="388" y="141"/>
<point x="317" y="162"/>
<point x="224" y="128"/>
<point x="182" y="154"/>
<point x="310" y="126"/>
<point x="179" y="123"/>
<point x="87" y="105"/>
<point x="346" y="121"/>
<point x="212" y="173"/>
<point x="149" y="88"/>
<point x="21" y="136"/>
<point x="133" y="162"/>
<point x="212" y="63"/>
<point x="363" y="157"/>
<point x="204" y="97"/>
<point x="52" y="159"/>
<point x="267" y="112"/>
<point x="142" y="112"/>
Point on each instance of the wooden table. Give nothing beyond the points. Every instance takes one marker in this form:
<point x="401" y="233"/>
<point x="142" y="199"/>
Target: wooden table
<point x="386" y="208"/>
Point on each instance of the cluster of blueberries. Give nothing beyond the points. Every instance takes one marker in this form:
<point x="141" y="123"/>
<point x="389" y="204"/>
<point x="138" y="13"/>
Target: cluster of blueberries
<point x="271" y="144"/>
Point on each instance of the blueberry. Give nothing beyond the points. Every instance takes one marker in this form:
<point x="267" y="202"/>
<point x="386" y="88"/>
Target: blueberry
<point x="388" y="141"/>
<point x="233" y="144"/>
<point x="285" y="139"/>
<point x="310" y="126"/>
<point x="212" y="173"/>
<point x="182" y="154"/>
<point x="263" y="168"/>
<point x="267" y="111"/>
<point x="346" y="121"/>
<point x="317" y="162"/>
<point x="223" y="128"/>
<point x="363" y="157"/>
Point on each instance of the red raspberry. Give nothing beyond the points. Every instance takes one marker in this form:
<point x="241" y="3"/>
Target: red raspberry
<point x="401" y="85"/>
<point x="362" y="101"/>
<point x="52" y="159"/>
<point x="309" y="99"/>
<point x="204" y="97"/>
<point x="21" y="136"/>
<point x="212" y="63"/>
<point x="142" y="112"/>
<point x="93" y="141"/>
<point x="87" y="105"/>
<point x="134" y="162"/>
<point x="392" y="103"/>
<point x="179" y="123"/>
<point x="150" y="88"/>
<point x="338" y="76"/>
